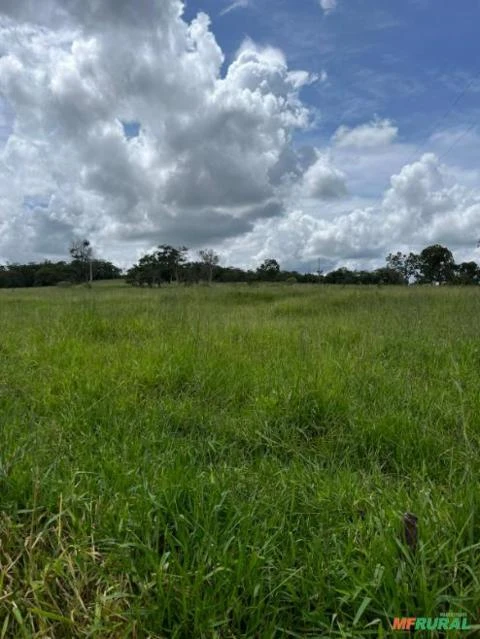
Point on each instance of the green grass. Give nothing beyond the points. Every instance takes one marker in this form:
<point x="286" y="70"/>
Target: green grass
<point x="235" y="461"/>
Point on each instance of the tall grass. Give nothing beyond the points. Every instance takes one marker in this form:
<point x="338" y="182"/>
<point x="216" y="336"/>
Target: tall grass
<point x="234" y="462"/>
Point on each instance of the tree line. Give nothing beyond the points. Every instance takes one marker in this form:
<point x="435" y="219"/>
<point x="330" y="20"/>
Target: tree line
<point x="434" y="265"/>
<point x="56" y="273"/>
<point x="168" y="264"/>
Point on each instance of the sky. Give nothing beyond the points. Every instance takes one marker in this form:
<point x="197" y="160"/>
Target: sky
<point x="322" y="133"/>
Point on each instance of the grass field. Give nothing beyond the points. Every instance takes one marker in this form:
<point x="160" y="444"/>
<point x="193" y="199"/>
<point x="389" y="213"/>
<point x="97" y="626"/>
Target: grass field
<point x="235" y="461"/>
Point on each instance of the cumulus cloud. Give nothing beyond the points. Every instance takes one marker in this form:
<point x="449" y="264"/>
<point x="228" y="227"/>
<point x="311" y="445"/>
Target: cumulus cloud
<point x="423" y="205"/>
<point x="373" y="134"/>
<point x="323" y="181"/>
<point x="328" y="5"/>
<point x="209" y="157"/>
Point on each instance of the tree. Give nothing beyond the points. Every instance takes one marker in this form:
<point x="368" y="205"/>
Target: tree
<point x="210" y="259"/>
<point x="48" y="275"/>
<point x="398" y="262"/>
<point x="387" y="275"/>
<point x="311" y="278"/>
<point x="268" y="270"/>
<point x="414" y="267"/>
<point x="341" y="276"/>
<point x="20" y="275"/>
<point x="192" y="272"/>
<point x="104" y="270"/>
<point x="436" y="264"/>
<point x="171" y="261"/>
<point x="133" y="276"/>
<point x="149" y="270"/>
<point x="407" y="266"/>
<point x="82" y="252"/>
<point x="164" y="265"/>
<point x="467" y="273"/>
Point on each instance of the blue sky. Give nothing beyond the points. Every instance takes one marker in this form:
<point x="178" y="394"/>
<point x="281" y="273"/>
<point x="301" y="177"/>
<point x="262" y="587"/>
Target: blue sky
<point x="307" y="130"/>
<point x="403" y="60"/>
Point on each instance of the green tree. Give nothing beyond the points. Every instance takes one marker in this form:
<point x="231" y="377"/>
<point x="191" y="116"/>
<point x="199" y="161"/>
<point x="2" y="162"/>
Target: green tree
<point x="341" y="276"/>
<point x="467" y="273"/>
<point x="387" y="275"/>
<point x="48" y="275"/>
<point x="104" y="270"/>
<point x="170" y="261"/>
<point x="268" y="270"/>
<point x="407" y="266"/>
<point x="210" y="260"/>
<point x="164" y="265"/>
<point x="436" y="264"/>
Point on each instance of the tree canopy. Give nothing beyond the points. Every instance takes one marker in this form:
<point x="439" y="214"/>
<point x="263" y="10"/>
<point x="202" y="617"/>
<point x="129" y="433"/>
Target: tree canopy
<point x="433" y="265"/>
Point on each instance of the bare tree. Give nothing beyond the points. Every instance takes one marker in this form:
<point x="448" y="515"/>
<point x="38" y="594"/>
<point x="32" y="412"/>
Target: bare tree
<point x="82" y="251"/>
<point x="210" y="260"/>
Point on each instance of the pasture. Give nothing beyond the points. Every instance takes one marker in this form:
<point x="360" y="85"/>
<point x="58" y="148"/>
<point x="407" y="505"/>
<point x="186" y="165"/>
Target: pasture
<point x="235" y="461"/>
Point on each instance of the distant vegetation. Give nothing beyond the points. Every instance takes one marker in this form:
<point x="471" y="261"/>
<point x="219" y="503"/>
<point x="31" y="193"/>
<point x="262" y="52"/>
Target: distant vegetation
<point x="168" y="264"/>
<point x="435" y="264"/>
<point x="52" y="273"/>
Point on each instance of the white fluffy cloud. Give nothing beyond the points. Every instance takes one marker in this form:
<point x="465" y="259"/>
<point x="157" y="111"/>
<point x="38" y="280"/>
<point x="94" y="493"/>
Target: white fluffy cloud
<point x="423" y="205"/>
<point x="328" y="5"/>
<point x="374" y="134"/>
<point x="207" y="161"/>
<point x="323" y="181"/>
<point x="157" y="141"/>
